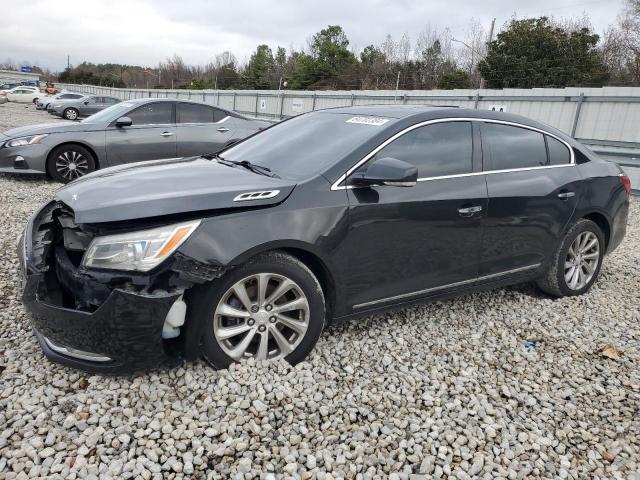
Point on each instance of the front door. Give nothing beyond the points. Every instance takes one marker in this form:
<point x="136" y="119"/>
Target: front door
<point x="407" y="242"/>
<point x="532" y="196"/>
<point x="151" y="136"/>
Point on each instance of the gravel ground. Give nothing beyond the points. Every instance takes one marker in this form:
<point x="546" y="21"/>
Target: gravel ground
<point x="450" y="389"/>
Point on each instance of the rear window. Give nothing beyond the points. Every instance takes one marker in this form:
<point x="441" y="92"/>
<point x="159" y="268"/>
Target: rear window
<point x="305" y="145"/>
<point x="513" y="147"/>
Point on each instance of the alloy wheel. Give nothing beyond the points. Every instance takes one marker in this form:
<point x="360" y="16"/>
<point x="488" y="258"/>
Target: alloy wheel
<point x="71" y="165"/>
<point x="71" y="114"/>
<point x="582" y="260"/>
<point x="263" y="316"/>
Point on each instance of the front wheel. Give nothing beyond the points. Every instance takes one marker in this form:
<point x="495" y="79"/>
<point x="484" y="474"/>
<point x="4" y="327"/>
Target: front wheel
<point x="270" y="307"/>
<point x="71" y="114"/>
<point x="576" y="264"/>
<point x="68" y="162"/>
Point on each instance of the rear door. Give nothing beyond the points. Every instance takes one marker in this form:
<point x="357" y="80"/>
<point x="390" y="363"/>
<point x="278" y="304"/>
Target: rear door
<point x="201" y="129"/>
<point x="151" y="136"/>
<point x="408" y="242"/>
<point x="533" y="192"/>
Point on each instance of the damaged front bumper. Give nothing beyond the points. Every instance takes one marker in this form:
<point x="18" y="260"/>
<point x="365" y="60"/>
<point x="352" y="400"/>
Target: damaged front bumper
<point x="106" y="323"/>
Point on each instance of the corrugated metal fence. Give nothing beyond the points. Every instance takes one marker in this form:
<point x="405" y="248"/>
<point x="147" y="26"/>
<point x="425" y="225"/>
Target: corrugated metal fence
<point x="607" y="119"/>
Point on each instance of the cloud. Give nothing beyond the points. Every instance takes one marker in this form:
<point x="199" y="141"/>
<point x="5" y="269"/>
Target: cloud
<point x="145" y="32"/>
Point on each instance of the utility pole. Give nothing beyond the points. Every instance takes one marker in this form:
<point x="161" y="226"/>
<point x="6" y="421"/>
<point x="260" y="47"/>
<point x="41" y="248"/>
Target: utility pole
<point x="215" y="83"/>
<point x="493" y="24"/>
<point x="68" y="62"/>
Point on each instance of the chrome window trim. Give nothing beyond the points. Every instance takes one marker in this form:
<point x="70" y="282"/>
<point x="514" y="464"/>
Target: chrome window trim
<point x="449" y="285"/>
<point x="336" y="185"/>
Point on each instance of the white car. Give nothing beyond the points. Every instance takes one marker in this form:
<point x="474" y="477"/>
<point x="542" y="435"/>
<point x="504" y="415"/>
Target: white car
<point x="24" y="94"/>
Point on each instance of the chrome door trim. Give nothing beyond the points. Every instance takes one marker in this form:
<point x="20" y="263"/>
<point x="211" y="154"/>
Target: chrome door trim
<point x="336" y="185"/>
<point x="449" y="285"/>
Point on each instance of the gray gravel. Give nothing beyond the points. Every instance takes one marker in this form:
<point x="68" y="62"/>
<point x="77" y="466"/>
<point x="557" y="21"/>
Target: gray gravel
<point x="449" y="390"/>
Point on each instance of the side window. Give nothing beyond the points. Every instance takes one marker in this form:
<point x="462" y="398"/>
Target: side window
<point x="512" y="147"/>
<point x="194" y="113"/>
<point x="219" y="114"/>
<point x="438" y="149"/>
<point x="158" y="113"/>
<point x="558" y="152"/>
<point x="75" y="96"/>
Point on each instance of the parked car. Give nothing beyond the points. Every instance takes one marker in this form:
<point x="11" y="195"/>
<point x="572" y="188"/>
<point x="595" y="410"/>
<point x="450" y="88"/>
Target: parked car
<point x="131" y="131"/>
<point x="81" y="107"/>
<point x="43" y="102"/>
<point x="24" y="94"/>
<point x="8" y="86"/>
<point x="323" y="217"/>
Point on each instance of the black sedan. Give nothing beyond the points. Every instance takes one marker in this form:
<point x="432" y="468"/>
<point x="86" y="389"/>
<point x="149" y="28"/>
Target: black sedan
<point x="327" y="216"/>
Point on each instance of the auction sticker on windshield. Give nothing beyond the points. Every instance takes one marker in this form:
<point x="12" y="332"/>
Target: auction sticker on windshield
<point x="376" y="121"/>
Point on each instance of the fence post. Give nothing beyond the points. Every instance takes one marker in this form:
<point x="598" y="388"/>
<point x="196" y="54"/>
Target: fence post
<point x="404" y="99"/>
<point x="477" y="99"/>
<point x="281" y="104"/>
<point x="353" y="98"/>
<point x="256" y="109"/>
<point x="234" y="102"/>
<point x="576" y="117"/>
<point x="313" y="105"/>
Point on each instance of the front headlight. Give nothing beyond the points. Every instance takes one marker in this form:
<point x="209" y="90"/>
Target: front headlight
<point x="18" y="142"/>
<point x="140" y="251"/>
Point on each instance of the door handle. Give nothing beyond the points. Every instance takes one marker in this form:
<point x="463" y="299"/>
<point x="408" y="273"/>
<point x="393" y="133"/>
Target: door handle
<point x="566" y="195"/>
<point x="166" y="134"/>
<point x="469" y="211"/>
<point x="222" y="129"/>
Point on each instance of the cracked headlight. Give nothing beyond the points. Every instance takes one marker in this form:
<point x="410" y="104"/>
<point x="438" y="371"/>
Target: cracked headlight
<point x="20" y="141"/>
<point x="140" y="251"/>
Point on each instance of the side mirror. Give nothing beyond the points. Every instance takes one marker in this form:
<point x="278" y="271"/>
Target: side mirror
<point x="124" y="122"/>
<point x="87" y="102"/>
<point x="387" y="171"/>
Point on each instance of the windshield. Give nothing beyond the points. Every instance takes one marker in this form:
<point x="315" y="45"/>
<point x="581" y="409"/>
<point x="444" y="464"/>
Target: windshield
<point x="305" y="145"/>
<point x="110" y="113"/>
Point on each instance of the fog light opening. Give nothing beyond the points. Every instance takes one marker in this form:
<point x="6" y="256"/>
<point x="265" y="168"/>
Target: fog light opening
<point x="175" y="319"/>
<point x="19" y="163"/>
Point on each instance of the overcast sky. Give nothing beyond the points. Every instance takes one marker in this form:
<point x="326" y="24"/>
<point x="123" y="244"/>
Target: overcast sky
<point x="145" y="32"/>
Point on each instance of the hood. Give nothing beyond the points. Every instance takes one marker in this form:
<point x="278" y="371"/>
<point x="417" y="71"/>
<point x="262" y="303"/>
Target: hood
<point x="166" y="187"/>
<point x="57" y="127"/>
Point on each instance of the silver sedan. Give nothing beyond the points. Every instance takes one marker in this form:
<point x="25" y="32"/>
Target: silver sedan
<point x="81" y="107"/>
<point x="130" y="131"/>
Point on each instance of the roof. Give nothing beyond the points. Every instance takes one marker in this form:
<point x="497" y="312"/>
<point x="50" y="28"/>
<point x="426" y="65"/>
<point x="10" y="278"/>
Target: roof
<point x="430" y="112"/>
<point x="390" y="111"/>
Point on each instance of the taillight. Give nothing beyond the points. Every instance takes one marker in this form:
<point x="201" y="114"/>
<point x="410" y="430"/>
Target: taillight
<point x="626" y="182"/>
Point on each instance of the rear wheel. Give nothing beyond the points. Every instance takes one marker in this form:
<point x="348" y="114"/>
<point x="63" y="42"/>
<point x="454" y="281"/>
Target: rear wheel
<point x="71" y="114"/>
<point x="68" y="162"/>
<point x="576" y="264"/>
<point x="271" y="307"/>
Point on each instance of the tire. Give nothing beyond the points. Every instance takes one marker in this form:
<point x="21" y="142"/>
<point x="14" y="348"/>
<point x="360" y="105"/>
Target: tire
<point x="68" y="162"/>
<point x="35" y="100"/>
<point x="71" y="113"/>
<point x="558" y="281"/>
<point x="208" y="302"/>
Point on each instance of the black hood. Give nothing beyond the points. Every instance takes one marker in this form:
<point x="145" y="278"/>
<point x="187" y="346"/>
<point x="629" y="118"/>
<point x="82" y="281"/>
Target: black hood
<point x="166" y="187"/>
<point x="57" y="127"/>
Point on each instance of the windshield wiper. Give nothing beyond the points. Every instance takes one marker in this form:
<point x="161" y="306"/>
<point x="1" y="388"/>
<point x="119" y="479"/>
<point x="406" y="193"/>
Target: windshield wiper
<point x="255" y="168"/>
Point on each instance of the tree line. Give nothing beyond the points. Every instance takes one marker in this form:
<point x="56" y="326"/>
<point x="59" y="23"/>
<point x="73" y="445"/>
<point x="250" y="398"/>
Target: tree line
<point x="525" y="53"/>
